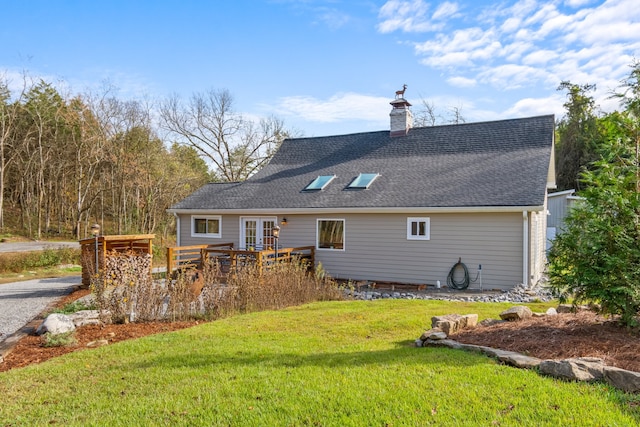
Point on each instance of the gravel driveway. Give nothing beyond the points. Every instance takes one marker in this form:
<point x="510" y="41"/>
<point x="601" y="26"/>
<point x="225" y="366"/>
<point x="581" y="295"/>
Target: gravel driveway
<point x="35" y="246"/>
<point x="21" y="302"/>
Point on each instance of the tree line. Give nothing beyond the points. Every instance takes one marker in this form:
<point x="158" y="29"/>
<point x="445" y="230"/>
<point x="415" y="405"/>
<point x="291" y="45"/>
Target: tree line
<point x="68" y="161"/>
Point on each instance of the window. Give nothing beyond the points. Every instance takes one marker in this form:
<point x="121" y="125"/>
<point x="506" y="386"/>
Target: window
<point x="418" y="229"/>
<point x="363" y="180"/>
<point x="320" y="182"/>
<point x="206" y="226"/>
<point x="330" y="234"/>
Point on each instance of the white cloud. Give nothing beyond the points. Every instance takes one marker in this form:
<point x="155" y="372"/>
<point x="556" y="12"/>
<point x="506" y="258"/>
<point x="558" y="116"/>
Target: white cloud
<point x="410" y="16"/>
<point x="512" y="76"/>
<point x="613" y="21"/>
<point x="333" y="18"/>
<point x="446" y="10"/>
<point x="536" y="107"/>
<point x="340" y="107"/>
<point x="465" y="47"/>
<point x="537" y="44"/>
<point x="540" y="57"/>
<point x="459" y="81"/>
<point x="577" y="3"/>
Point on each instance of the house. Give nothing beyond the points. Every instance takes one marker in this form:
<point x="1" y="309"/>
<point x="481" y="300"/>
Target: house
<point x="401" y="205"/>
<point x="559" y="203"/>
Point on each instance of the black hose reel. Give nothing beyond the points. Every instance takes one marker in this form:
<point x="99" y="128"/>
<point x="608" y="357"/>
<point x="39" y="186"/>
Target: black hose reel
<point x="464" y="282"/>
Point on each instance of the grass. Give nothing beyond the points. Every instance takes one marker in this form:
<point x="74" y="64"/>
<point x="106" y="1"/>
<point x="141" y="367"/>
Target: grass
<point x="322" y="364"/>
<point x="50" y="262"/>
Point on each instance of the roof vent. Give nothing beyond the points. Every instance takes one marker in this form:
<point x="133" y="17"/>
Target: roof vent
<point x="401" y="117"/>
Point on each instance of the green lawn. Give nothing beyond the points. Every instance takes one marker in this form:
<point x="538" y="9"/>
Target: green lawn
<point x="323" y="364"/>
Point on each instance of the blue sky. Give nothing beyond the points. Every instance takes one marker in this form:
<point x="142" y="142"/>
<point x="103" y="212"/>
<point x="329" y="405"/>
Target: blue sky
<point x="329" y="66"/>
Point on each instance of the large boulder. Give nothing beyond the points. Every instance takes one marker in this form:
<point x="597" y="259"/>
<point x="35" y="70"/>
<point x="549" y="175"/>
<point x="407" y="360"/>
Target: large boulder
<point x="56" y="324"/>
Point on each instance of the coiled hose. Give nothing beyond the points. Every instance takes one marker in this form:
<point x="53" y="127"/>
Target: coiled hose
<point x="464" y="282"/>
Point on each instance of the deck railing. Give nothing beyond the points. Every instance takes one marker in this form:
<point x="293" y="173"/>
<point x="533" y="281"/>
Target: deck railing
<point x="229" y="259"/>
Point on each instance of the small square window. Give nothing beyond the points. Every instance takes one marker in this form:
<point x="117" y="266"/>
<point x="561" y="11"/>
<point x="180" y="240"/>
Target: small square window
<point x="418" y="229"/>
<point x="206" y="226"/>
<point x="330" y="234"/>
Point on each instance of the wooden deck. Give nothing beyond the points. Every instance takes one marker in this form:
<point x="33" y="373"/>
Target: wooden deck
<point x="230" y="259"/>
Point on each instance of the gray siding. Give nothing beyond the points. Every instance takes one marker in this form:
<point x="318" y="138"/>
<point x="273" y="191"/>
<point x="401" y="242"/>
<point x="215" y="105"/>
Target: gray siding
<point x="377" y="249"/>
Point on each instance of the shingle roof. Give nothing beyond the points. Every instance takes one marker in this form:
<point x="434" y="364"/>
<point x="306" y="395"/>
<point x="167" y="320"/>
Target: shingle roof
<point x="499" y="163"/>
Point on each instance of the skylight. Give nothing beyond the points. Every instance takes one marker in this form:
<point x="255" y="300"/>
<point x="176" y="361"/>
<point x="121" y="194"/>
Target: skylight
<point x="320" y="182"/>
<point x="363" y="180"/>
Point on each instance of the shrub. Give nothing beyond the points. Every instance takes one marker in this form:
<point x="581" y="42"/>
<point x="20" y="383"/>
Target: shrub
<point x="58" y="340"/>
<point x="208" y="293"/>
<point x="49" y="257"/>
<point x="74" y="307"/>
<point x="596" y="258"/>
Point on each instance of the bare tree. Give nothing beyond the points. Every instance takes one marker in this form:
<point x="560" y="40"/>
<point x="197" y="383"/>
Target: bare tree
<point x="456" y="116"/>
<point x="9" y="110"/>
<point x="427" y="115"/>
<point x="237" y="148"/>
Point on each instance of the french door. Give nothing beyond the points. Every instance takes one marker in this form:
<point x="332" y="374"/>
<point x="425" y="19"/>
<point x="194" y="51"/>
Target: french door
<point x="256" y="233"/>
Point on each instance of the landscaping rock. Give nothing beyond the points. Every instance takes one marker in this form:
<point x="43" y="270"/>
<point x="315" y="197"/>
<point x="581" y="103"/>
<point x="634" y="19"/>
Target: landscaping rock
<point x="490" y="322"/>
<point x="98" y="343"/>
<point x="551" y="312"/>
<point x="86" y="317"/>
<point x="622" y="379"/>
<point x="451" y="323"/>
<point x="55" y="324"/>
<point x="565" y="308"/>
<point x="471" y="320"/>
<point x="518" y="312"/>
<point x="578" y="369"/>
<point x="433" y="334"/>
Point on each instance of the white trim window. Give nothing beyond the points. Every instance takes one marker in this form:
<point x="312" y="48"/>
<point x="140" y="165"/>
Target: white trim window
<point x="418" y="228"/>
<point x="330" y="234"/>
<point x="206" y="226"/>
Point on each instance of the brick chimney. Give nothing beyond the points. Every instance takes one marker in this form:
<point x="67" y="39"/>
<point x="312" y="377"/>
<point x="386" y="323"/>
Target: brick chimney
<point x="401" y="117"/>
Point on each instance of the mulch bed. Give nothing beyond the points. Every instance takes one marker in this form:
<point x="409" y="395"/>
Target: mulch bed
<point x="567" y="335"/>
<point x="29" y="350"/>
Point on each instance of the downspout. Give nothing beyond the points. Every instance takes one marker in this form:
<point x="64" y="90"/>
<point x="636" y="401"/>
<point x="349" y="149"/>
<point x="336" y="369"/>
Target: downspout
<point x="177" y="229"/>
<point x="525" y="248"/>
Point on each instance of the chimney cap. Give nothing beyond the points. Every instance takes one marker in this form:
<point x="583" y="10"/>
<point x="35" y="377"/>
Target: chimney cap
<point x="400" y="103"/>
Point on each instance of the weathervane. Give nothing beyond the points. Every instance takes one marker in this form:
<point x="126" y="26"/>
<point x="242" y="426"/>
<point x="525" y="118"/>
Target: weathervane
<point x="400" y="93"/>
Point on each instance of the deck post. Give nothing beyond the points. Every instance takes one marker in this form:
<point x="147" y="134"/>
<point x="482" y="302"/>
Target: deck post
<point x="169" y="261"/>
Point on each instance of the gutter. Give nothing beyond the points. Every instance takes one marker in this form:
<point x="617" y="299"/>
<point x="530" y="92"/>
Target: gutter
<point x="525" y="248"/>
<point x="175" y="214"/>
<point x="345" y="210"/>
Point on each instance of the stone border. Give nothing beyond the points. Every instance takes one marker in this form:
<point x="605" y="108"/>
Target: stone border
<point x="588" y="369"/>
